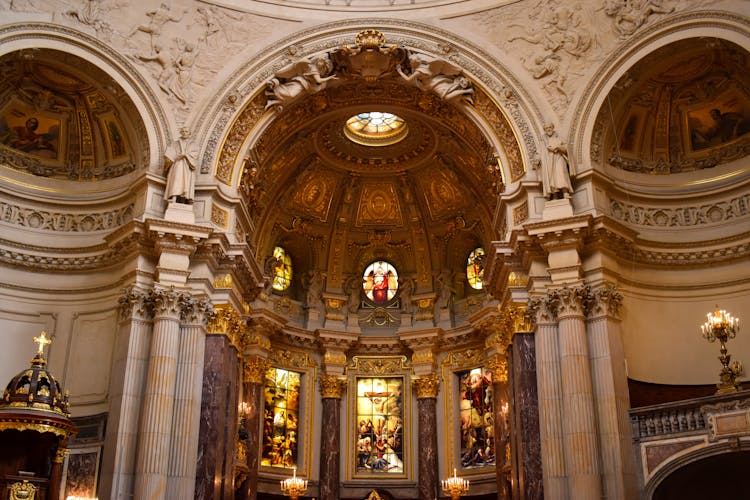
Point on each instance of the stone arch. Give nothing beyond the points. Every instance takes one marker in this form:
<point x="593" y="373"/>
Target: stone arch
<point x="717" y="24"/>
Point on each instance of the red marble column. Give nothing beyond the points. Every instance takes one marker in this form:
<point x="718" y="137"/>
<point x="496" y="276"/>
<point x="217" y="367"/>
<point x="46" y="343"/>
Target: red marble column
<point x="331" y="388"/>
<point x="218" y="430"/>
<point x="498" y="367"/>
<point x="254" y="372"/>
<point x="524" y="418"/>
<point x="427" y="388"/>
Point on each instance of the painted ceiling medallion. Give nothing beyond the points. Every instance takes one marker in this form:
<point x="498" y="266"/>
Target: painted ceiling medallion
<point x="375" y="128"/>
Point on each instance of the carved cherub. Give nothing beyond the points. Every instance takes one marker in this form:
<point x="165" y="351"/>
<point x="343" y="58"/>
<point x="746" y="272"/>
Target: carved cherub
<point x="303" y="77"/>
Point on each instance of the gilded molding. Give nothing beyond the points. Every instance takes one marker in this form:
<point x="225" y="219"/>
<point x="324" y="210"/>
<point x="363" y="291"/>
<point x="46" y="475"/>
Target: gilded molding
<point x="498" y="331"/>
<point x="226" y="321"/>
<point x="464" y="358"/>
<point x="254" y="369"/>
<point x="34" y="426"/>
<point x="498" y="368"/>
<point x="61" y="454"/>
<point x="332" y="386"/>
<point x="379" y="365"/>
<point x="334" y="357"/>
<point x="287" y="358"/>
<point x="427" y="386"/>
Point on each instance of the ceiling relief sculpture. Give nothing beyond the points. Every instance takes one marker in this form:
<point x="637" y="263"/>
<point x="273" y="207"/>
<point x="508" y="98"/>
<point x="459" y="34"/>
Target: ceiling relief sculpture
<point x="62" y="117"/>
<point x="692" y="114"/>
<point x="314" y="193"/>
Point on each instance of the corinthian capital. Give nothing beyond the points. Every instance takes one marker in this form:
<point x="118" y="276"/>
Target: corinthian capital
<point x="498" y="368"/>
<point x="196" y="310"/>
<point x="332" y="386"/>
<point x="254" y="369"/>
<point x="606" y="301"/>
<point x="166" y="301"/>
<point x="427" y="386"/>
<point x="134" y="303"/>
<point x="571" y="301"/>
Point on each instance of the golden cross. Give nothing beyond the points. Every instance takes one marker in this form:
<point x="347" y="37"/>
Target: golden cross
<point x="42" y="340"/>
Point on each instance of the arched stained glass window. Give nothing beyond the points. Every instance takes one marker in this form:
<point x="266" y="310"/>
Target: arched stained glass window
<point x="281" y="421"/>
<point x="282" y="269"/>
<point x="380" y="282"/>
<point x="475" y="411"/>
<point x="475" y="268"/>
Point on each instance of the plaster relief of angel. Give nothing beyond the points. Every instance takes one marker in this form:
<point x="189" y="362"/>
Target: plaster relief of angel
<point x="439" y="76"/>
<point x="303" y="77"/>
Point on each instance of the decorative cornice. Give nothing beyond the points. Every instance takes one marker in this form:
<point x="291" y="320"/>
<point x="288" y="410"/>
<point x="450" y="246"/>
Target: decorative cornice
<point x="378" y="365"/>
<point x="331" y="386"/>
<point x="465" y="358"/>
<point x="427" y="386"/>
<point x="65" y="222"/>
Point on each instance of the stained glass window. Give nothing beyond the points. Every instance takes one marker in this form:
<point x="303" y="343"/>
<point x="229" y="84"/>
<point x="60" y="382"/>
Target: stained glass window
<point x="380" y="282"/>
<point x="282" y="269"/>
<point x="375" y="128"/>
<point x="477" y="421"/>
<point x="280" y="418"/>
<point x="475" y="268"/>
<point x="380" y="428"/>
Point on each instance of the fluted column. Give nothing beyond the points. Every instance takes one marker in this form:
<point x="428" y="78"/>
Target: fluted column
<point x="549" y="385"/>
<point x="579" y="422"/>
<point x="187" y="403"/>
<point x="498" y="368"/>
<point x="155" y="434"/>
<point x="427" y="387"/>
<point x="612" y="397"/>
<point x="254" y="369"/>
<point x="126" y="390"/>
<point x="331" y="389"/>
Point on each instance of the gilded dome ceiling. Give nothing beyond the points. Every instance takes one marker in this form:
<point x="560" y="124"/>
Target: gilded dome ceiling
<point x="422" y="203"/>
<point x="689" y="114"/>
<point x="62" y="117"/>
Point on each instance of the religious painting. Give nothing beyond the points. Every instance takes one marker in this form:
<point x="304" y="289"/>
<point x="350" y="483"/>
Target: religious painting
<point x="380" y="282"/>
<point x="476" y="418"/>
<point x="280" y="418"/>
<point x="114" y="137"/>
<point x="475" y="268"/>
<point x="380" y="426"/>
<point x="722" y="122"/>
<point x="82" y="473"/>
<point x="281" y="268"/>
<point x="29" y="131"/>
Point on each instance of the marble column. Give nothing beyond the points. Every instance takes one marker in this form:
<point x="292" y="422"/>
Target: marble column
<point x="331" y="388"/>
<point x="126" y="390"/>
<point x="579" y="422"/>
<point x="254" y="375"/>
<point x="498" y="368"/>
<point x="427" y="387"/>
<point x="525" y="415"/>
<point x="187" y="404"/>
<point x="611" y="393"/>
<point x="550" y="402"/>
<point x="154" y="438"/>
<point x="218" y="431"/>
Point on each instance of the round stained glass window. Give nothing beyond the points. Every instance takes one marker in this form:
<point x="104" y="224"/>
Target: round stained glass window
<point x="475" y="268"/>
<point x="380" y="282"/>
<point x="375" y="128"/>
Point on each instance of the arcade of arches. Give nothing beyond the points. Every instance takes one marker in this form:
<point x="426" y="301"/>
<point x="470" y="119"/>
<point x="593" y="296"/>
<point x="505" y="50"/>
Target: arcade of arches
<point x="373" y="244"/>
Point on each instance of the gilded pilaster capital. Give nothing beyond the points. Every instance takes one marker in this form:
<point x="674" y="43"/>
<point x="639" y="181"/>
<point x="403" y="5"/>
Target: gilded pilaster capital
<point x="226" y="321"/>
<point x="254" y="369"/>
<point x="332" y="386"/>
<point x="497" y="331"/>
<point x="60" y="455"/>
<point x="498" y="368"/>
<point x="427" y="386"/>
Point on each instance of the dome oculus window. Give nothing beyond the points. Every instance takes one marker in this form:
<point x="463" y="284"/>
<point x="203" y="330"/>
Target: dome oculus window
<point x="282" y="269"/>
<point x="380" y="282"/>
<point x="375" y="128"/>
<point x="475" y="268"/>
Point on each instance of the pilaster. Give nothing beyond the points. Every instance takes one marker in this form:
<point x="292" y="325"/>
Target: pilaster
<point x="427" y="387"/>
<point x="332" y="387"/>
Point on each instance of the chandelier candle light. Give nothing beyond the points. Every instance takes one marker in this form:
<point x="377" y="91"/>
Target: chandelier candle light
<point x="455" y="486"/>
<point x="723" y="326"/>
<point x="294" y="486"/>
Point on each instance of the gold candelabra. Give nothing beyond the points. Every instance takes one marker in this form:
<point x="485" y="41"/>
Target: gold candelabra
<point x="455" y="486"/>
<point x="294" y="486"/>
<point x="722" y="326"/>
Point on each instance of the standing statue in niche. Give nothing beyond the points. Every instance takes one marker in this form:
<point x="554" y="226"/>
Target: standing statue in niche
<point x="180" y="161"/>
<point x="314" y="285"/>
<point x="406" y="291"/>
<point x="439" y="76"/>
<point x="445" y="289"/>
<point x="303" y="77"/>
<point x="354" y="288"/>
<point x="556" y="170"/>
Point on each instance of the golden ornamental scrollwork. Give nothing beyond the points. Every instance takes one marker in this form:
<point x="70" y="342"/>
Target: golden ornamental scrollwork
<point x="240" y="452"/>
<point x="464" y="358"/>
<point x="333" y="357"/>
<point x="498" y="331"/>
<point x="332" y="386"/>
<point x="423" y="356"/>
<point x="498" y="368"/>
<point x="34" y="426"/>
<point x="379" y="365"/>
<point x="22" y="490"/>
<point x="285" y="357"/>
<point x="61" y="454"/>
<point x="251" y="337"/>
<point x="254" y="369"/>
<point x="426" y="386"/>
<point x="224" y="320"/>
